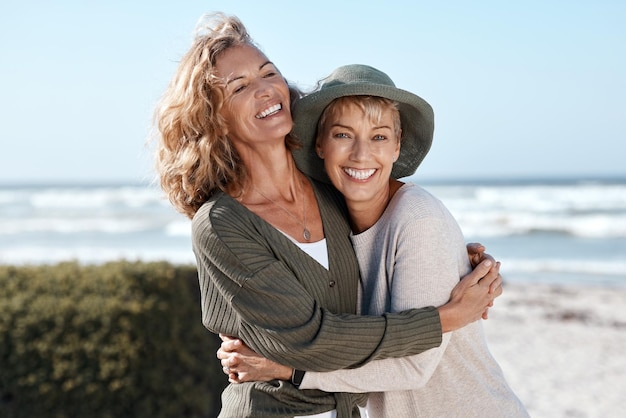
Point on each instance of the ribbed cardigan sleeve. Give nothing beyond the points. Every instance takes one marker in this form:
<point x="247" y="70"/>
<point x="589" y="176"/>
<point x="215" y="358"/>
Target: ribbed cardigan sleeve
<point x="262" y="290"/>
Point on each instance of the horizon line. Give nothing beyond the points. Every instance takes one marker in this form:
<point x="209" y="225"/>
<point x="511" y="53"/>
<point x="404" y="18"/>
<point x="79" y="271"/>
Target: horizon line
<point x="430" y="179"/>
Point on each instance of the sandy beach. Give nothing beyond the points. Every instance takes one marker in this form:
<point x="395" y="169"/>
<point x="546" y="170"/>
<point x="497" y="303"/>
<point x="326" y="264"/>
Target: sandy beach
<point x="562" y="348"/>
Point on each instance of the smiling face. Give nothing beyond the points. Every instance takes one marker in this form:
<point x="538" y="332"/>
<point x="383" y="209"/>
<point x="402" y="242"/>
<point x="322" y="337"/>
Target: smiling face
<point x="256" y="102"/>
<point x="359" y="148"/>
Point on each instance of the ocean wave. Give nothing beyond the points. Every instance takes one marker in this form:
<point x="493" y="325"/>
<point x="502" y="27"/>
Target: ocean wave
<point x="596" y="267"/>
<point x="535" y="198"/>
<point x="490" y="223"/>
<point x="588" y="210"/>
<point x="91" y="255"/>
<point x="68" y="226"/>
<point x="82" y="198"/>
<point x="545" y="224"/>
<point x="541" y="199"/>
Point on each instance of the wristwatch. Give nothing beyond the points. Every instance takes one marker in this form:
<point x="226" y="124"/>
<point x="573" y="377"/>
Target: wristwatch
<point x="297" y="376"/>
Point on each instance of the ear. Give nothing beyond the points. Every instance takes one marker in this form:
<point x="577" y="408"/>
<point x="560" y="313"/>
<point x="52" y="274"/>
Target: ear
<point x="222" y="129"/>
<point x="318" y="149"/>
<point x="396" y="152"/>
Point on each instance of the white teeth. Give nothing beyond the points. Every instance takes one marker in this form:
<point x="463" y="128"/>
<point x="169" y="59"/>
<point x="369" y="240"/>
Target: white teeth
<point x="359" y="174"/>
<point x="269" y="111"/>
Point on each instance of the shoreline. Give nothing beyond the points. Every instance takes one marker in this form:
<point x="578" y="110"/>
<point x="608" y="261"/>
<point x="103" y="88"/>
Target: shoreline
<point x="561" y="347"/>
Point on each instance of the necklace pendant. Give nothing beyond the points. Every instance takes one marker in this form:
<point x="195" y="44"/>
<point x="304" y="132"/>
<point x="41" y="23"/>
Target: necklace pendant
<point x="306" y="234"/>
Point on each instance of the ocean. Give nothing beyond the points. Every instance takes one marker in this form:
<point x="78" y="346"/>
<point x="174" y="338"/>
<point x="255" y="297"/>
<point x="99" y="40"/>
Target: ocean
<point x="548" y="231"/>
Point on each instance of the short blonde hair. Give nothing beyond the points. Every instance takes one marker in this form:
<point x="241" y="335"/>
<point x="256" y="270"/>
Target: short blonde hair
<point x="372" y="107"/>
<point x="194" y="159"/>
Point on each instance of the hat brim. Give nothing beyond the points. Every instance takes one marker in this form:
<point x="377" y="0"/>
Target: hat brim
<point x="416" y="116"/>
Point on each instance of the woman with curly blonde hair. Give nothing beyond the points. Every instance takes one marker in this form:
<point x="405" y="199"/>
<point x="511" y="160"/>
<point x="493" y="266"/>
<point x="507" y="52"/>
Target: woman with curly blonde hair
<point x="275" y="262"/>
<point x="196" y="158"/>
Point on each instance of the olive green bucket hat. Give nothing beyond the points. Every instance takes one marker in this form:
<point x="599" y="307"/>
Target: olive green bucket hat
<point x="416" y="117"/>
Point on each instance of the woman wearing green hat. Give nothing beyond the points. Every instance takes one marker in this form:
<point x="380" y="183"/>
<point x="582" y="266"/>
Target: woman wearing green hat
<point x="362" y="133"/>
<point x="275" y="262"/>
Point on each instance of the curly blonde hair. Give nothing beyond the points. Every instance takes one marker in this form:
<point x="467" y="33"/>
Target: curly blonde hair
<point x="194" y="159"/>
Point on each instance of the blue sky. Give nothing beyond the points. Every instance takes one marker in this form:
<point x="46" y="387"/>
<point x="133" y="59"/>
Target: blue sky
<point x="520" y="89"/>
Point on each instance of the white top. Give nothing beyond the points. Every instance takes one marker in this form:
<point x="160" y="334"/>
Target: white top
<point x="315" y="250"/>
<point x="419" y="250"/>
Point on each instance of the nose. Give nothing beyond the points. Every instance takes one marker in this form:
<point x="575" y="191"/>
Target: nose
<point x="264" y="88"/>
<point x="360" y="150"/>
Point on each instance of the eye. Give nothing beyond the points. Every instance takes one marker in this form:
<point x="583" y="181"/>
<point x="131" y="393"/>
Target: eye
<point x="270" y="74"/>
<point x="239" y="89"/>
<point x="379" y="137"/>
<point x="270" y="71"/>
<point x="341" y="135"/>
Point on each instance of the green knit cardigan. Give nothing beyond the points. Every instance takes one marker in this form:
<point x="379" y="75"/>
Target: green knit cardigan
<point x="259" y="286"/>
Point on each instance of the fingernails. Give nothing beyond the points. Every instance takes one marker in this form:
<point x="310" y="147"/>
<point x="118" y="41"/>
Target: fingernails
<point x="488" y="263"/>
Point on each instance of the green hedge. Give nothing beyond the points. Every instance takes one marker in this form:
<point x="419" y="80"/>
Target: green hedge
<point x="116" y="340"/>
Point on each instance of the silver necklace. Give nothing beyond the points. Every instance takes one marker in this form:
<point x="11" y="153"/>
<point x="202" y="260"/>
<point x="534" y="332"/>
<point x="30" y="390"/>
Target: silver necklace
<point x="305" y="232"/>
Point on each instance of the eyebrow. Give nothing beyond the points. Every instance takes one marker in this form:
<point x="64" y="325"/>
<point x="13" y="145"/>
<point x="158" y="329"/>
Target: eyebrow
<point x="240" y="77"/>
<point x="339" y="125"/>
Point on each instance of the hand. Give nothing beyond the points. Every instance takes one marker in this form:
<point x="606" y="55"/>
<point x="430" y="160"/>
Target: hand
<point x="476" y="253"/>
<point x="242" y="364"/>
<point x="472" y="296"/>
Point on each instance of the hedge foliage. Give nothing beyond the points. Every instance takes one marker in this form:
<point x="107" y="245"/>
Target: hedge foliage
<point x="115" y="340"/>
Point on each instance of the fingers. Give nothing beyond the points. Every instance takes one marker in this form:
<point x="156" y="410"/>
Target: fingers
<point x="229" y="362"/>
<point x="495" y="282"/>
<point x="229" y="368"/>
<point x="233" y="376"/>
<point x="228" y="351"/>
<point x="236" y="376"/>
<point x="231" y="345"/>
<point x="478" y="273"/>
<point x="229" y="359"/>
<point x="496" y="286"/>
<point x="491" y="277"/>
<point x="228" y="354"/>
<point x="475" y="248"/>
<point x="475" y="253"/>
